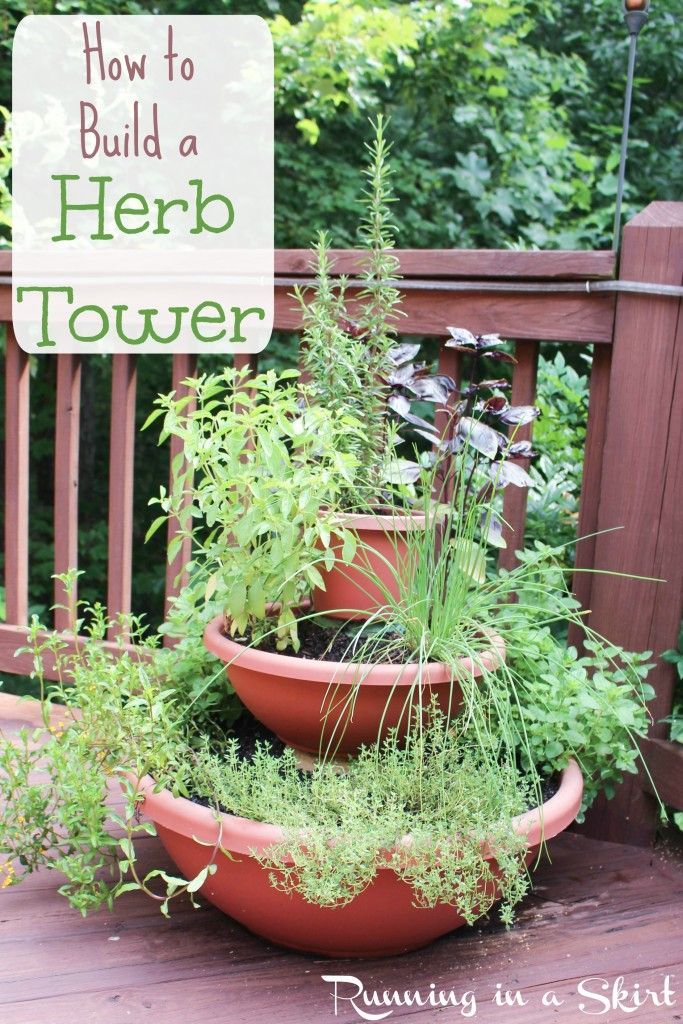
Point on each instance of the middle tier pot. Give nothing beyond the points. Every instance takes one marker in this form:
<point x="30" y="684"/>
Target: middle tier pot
<point x="332" y="708"/>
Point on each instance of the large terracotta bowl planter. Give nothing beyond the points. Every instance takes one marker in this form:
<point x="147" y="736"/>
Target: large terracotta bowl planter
<point x="383" y="553"/>
<point x="333" y="707"/>
<point x="382" y="921"/>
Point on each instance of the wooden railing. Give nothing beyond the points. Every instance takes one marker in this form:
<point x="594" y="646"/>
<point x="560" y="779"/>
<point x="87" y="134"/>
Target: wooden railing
<point x="633" y="468"/>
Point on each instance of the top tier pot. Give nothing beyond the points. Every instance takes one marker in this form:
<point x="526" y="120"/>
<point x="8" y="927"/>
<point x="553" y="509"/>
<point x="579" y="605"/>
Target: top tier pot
<point x="383" y="551"/>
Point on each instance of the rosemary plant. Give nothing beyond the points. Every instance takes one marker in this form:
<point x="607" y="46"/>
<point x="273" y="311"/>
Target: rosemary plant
<point x="346" y="340"/>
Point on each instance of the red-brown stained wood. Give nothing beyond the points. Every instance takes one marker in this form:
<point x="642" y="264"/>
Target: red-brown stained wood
<point x="596" y="909"/>
<point x="5" y="303"/>
<point x="184" y="365"/>
<point x="641" y="485"/>
<point x="67" y="423"/>
<point x="564" y="316"/>
<point x="665" y="764"/>
<point x="12" y="638"/>
<point x="121" y="475"/>
<point x="497" y="263"/>
<point x="304" y="374"/>
<point x="16" y="480"/>
<point x="248" y="362"/>
<point x="592" y="470"/>
<point x="515" y="498"/>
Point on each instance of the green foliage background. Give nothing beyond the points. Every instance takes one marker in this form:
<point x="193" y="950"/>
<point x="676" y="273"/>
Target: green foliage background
<point x="505" y="116"/>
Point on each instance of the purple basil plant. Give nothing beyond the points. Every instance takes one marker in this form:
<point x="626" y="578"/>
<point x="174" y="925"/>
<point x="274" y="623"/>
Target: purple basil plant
<point x="480" y="423"/>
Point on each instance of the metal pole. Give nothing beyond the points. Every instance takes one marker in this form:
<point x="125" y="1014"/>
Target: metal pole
<point x="632" y="47"/>
<point x="635" y="16"/>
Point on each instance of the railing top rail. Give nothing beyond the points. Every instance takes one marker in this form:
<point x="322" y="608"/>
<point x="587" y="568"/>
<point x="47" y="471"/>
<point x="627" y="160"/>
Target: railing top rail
<point x="539" y="295"/>
<point x="560" y="264"/>
<point x="550" y="264"/>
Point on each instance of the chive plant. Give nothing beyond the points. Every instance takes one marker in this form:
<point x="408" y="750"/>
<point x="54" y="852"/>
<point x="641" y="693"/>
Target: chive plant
<point x="448" y="600"/>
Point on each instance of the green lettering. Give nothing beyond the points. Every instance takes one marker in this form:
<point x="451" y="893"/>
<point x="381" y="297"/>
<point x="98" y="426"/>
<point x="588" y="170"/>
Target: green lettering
<point x="45" y="341"/>
<point x="65" y="206"/>
<point x="122" y="209"/>
<point x="163" y="206"/>
<point x="201" y="204"/>
<point x="104" y="324"/>
<point x="199" y="317"/>
<point x="240" y="315"/>
<point x="148" y="327"/>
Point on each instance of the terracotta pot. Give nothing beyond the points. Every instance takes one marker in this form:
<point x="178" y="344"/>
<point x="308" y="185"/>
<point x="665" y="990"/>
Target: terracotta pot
<point x="382" y="921"/>
<point x="334" y="707"/>
<point x="349" y="592"/>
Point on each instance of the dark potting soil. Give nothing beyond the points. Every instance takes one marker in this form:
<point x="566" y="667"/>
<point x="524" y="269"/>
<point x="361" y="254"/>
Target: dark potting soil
<point x="338" y="642"/>
<point x="549" y="788"/>
<point x="250" y="733"/>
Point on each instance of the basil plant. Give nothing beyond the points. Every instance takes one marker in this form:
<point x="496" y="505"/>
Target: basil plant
<point x="256" y="488"/>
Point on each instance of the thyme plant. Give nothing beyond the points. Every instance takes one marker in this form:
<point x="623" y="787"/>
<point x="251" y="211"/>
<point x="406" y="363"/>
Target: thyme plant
<point x="435" y="812"/>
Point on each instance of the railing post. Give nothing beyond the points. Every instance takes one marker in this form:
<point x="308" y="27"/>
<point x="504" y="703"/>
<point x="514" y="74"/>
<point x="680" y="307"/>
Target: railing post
<point x="641" y="486"/>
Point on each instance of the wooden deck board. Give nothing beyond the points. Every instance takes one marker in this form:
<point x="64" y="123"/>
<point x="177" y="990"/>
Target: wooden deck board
<point x="598" y="909"/>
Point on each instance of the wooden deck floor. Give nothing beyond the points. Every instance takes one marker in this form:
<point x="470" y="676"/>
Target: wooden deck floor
<point x="599" y="910"/>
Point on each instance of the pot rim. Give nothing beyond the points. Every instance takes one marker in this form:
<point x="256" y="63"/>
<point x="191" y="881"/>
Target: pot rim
<point x="397" y="522"/>
<point x="246" y="836"/>
<point x="366" y="674"/>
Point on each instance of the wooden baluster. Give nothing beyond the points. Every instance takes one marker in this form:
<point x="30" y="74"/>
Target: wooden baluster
<point x="121" y="468"/>
<point x="592" y="472"/>
<point x="67" y="424"/>
<point x="249" y="362"/>
<point x="16" y="480"/>
<point x="305" y="376"/>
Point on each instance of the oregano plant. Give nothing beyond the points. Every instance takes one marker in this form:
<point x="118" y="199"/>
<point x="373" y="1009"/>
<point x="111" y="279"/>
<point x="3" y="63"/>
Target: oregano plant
<point x="110" y="717"/>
